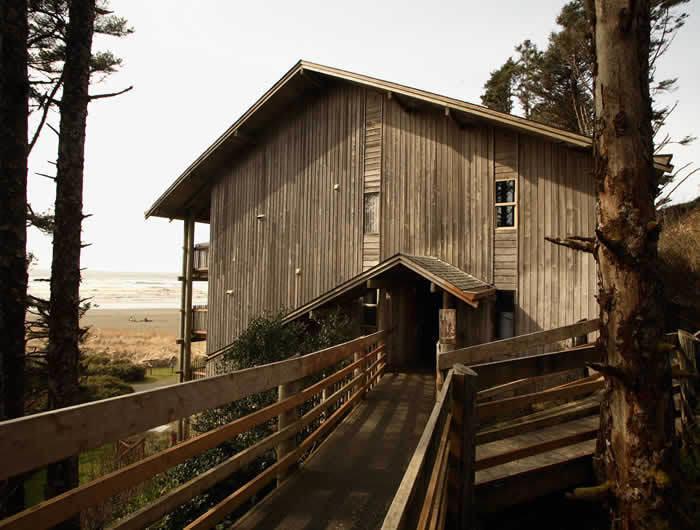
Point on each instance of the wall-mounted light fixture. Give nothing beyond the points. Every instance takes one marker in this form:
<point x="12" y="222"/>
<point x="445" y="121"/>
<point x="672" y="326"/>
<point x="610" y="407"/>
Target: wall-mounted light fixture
<point x="336" y="187"/>
<point x="229" y="292"/>
<point x="261" y="216"/>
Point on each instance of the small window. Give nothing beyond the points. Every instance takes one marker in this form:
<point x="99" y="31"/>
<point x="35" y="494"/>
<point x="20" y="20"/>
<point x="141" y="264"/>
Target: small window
<point x="505" y="203"/>
<point x="505" y="314"/>
<point x="371" y="213"/>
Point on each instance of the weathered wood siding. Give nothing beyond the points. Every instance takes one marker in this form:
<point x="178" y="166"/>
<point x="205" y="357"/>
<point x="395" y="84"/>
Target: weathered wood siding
<point x="310" y="238"/>
<point x="556" y="285"/>
<point x="436" y="178"/>
<point x="437" y="189"/>
<point x="372" y="171"/>
<point x="505" y="251"/>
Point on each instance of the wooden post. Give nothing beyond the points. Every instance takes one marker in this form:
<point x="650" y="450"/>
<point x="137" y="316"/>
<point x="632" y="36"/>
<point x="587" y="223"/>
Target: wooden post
<point x="187" y="336"/>
<point x="183" y="301"/>
<point x="356" y="357"/>
<point x="185" y="312"/>
<point x="283" y="420"/>
<point x="460" y="482"/>
<point x="447" y="336"/>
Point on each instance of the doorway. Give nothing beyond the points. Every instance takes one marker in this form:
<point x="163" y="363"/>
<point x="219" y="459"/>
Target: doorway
<point x="428" y="306"/>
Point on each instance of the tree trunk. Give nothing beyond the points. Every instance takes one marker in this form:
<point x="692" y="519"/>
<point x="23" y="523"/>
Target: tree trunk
<point x="638" y="451"/>
<point x="64" y="311"/>
<point x="14" y="93"/>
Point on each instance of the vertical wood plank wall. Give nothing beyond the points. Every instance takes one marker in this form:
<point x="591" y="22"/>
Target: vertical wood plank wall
<point x="505" y="251"/>
<point x="372" y="170"/>
<point x="556" y="285"/>
<point x="436" y="182"/>
<point x="437" y="189"/>
<point x="289" y="177"/>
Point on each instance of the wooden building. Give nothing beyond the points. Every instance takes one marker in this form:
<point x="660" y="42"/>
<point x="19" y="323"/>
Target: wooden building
<point x="338" y="188"/>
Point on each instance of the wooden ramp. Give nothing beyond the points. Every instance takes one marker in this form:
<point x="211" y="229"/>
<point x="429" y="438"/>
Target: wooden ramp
<point x="352" y="478"/>
<point x="526" y="466"/>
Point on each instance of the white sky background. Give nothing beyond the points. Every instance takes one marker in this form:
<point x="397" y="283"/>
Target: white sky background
<point x="197" y="66"/>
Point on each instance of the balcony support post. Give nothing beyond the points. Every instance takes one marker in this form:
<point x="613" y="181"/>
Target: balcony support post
<point x="186" y="366"/>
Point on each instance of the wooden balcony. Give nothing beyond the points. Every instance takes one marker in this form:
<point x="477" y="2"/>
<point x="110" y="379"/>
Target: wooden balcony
<point x="200" y="263"/>
<point x="199" y="322"/>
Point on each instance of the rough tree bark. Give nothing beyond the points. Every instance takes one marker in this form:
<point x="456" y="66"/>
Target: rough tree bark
<point x="64" y="308"/>
<point x="14" y="93"/>
<point x="637" y="449"/>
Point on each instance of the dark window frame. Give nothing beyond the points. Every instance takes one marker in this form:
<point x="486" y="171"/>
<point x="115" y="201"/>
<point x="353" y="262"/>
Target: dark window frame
<point x="512" y="205"/>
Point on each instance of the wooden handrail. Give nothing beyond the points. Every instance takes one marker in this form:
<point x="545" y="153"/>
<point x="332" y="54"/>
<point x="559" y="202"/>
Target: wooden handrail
<point x="492" y="351"/>
<point x="500" y="372"/>
<point x="588" y="407"/>
<point x="436" y="485"/>
<point x="23" y="441"/>
<point x="237" y="498"/>
<point x="398" y="514"/>
<point x="171" y="500"/>
<point x="536" y="449"/>
<point x="57" y="509"/>
<point x="493" y="409"/>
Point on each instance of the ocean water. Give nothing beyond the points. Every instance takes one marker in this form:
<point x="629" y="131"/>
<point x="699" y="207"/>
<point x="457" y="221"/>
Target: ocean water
<point x="125" y="290"/>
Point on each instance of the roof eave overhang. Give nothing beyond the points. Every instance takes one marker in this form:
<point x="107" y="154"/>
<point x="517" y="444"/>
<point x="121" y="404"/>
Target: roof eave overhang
<point x="471" y="298"/>
<point x="177" y="201"/>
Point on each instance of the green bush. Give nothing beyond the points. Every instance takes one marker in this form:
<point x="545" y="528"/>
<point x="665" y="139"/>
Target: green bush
<point x="121" y="369"/>
<point x="266" y="339"/>
<point x="102" y="387"/>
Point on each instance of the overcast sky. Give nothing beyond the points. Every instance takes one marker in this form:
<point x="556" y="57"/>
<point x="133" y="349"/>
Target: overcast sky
<point x="197" y="66"/>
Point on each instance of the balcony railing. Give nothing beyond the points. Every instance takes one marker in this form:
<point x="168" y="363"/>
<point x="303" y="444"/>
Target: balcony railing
<point x="199" y="321"/>
<point x="201" y="259"/>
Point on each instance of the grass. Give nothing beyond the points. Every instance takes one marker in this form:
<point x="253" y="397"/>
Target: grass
<point x="136" y="345"/>
<point x="154" y="375"/>
<point x="92" y="464"/>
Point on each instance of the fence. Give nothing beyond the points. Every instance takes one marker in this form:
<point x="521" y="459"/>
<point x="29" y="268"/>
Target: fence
<point x="347" y="372"/>
<point x="201" y="257"/>
<point x="437" y="490"/>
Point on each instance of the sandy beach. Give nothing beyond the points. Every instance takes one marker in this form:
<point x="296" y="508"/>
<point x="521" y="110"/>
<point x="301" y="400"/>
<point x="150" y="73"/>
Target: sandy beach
<point x="124" y="333"/>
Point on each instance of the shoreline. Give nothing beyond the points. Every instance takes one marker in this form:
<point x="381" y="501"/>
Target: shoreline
<point x="163" y="319"/>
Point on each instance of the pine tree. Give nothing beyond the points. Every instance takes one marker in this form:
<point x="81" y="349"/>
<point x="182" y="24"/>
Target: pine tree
<point x="637" y="446"/>
<point x="62" y="64"/>
<point x="14" y="90"/>
<point x="555" y="86"/>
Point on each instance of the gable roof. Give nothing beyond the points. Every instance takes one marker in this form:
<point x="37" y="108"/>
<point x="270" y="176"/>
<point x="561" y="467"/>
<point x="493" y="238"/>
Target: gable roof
<point x="458" y="283"/>
<point x="188" y="192"/>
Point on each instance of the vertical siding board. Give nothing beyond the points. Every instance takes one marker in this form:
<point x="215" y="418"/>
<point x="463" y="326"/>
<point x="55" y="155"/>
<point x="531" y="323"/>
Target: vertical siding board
<point x="437" y="198"/>
<point x="288" y="176"/>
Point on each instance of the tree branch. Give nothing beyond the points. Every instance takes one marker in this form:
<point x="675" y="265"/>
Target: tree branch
<point x="593" y="493"/>
<point x="110" y="95"/>
<point x="610" y="372"/>
<point x="47" y="106"/>
<point x="580" y="243"/>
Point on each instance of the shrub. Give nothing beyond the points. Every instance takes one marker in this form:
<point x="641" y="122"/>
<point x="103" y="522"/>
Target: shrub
<point x="122" y="369"/>
<point x="102" y="387"/>
<point x="265" y="340"/>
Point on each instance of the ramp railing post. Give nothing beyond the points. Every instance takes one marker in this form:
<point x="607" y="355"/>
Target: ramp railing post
<point x="357" y="371"/>
<point x="283" y="420"/>
<point x="460" y="467"/>
<point x="447" y="340"/>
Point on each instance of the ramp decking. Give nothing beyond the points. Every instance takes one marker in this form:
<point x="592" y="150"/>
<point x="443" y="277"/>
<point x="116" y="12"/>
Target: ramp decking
<point x="352" y="478"/>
